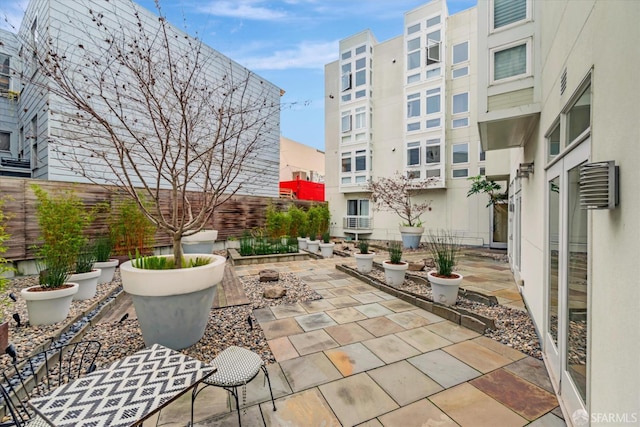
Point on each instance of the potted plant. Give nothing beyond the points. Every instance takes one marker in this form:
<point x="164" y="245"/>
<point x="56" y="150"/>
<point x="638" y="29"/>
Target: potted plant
<point x="85" y="275"/>
<point x="444" y="247"/>
<point x="62" y="219"/>
<point x="395" y="195"/>
<point x="326" y="247"/>
<point x="298" y="225"/>
<point x="313" y="227"/>
<point x="5" y="268"/>
<point x="107" y="265"/>
<point x="168" y="314"/>
<point x="394" y="267"/>
<point x="201" y="242"/>
<point x="364" y="258"/>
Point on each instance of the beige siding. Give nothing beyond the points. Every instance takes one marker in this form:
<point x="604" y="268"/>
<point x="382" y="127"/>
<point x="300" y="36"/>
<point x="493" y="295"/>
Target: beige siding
<point x="510" y="99"/>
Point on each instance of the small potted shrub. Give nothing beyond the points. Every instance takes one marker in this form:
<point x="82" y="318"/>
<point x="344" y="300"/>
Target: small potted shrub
<point x="364" y="258"/>
<point x="62" y="219"/>
<point x="394" y="267"/>
<point x="444" y="247"/>
<point x="85" y="275"/>
<point x="313" y="227"/>
<point x="326" y="247"/>
<point x="298" y="225"/>
<point x="102" y="253"/>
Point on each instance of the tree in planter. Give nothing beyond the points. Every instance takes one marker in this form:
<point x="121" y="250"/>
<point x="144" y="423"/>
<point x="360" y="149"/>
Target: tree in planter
<point x="395" y="195"/>
<point x="149" y="107"/>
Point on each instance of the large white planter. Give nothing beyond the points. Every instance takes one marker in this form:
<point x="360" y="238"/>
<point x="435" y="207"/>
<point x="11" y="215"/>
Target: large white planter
<point x="200" y="243"/>
<point x="302" y="243"/>
<point x="326" y="250"/>
<point x="394" y="273"/>
<point x="364" y="262"/>
<point x="313" y="245"/>
<point x="50" y="306"/>
<point x="108" y="270"/>
<point x="87" y="284"/>
<point x="411" y="236"/>
<point x="444" y="290"/>
<point x="173" y="306"/>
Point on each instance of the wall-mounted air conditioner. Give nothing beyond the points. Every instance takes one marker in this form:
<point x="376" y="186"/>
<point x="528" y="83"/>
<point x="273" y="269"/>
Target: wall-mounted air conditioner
<point x="599" y="185"/>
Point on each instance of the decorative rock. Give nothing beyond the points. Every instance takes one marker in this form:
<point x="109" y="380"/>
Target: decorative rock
<point x="268" y="276"/>
<point x="416" y="266"/>
<point x="274" y="292"/>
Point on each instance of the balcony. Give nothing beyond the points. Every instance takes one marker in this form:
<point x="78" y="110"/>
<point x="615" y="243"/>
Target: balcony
<point x="355" y="223"/>
<point x="10" y="166"/>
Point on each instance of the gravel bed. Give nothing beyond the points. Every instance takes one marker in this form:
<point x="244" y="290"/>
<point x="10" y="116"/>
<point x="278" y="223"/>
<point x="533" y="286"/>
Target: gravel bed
<point x="297" y="291"/>
<point x="514" y="327"/>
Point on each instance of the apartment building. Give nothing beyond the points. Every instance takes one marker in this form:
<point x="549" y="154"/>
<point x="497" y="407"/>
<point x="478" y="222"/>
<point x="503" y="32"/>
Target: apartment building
<point x="42" y="136"/>
<point x="558" y="100"/>
<point x="408" y="106"/>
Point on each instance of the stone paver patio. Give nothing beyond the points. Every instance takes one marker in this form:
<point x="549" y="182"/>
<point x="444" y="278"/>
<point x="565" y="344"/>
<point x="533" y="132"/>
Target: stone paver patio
<point x="362" y="357"/>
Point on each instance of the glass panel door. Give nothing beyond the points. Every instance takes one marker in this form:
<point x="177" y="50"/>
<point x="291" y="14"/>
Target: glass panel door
<point x="499" y="224"/>
<point x="553" y="258"/>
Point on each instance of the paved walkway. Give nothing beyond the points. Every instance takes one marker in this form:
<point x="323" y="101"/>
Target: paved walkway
<point x="362" y="357"/>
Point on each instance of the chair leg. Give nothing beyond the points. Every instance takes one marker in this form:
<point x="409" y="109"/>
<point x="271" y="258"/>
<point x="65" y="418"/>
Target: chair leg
<point x="234" y="392"/>
<point x="266" y="374"/>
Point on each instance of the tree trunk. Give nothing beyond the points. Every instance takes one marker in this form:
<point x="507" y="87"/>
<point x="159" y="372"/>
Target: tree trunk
<point x="177" y="250"/>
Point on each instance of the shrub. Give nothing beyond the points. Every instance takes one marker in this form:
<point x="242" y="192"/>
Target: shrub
<point x="444" y="246"/>
<point x="85" y="260"/>
<point x="130" y="229"/>
<point x="363" y="245"/>
<point x="102" y="249"/>
<point x="395" y="252"/>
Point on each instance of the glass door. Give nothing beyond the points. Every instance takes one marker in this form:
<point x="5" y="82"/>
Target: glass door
<point x="499" y="224"/>
<point x="567" y="260"/>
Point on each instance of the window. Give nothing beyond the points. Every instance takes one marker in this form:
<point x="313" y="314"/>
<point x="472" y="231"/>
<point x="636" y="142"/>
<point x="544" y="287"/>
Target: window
<point x="413" y="154"/>
<point x="34" y="142"/>
<point x="459" y="72"/>
<point x="346" y="121"/>
<point x="433" y="101"/>
<point x="413" y="53"/>
<point x="414" y="78"/>
<point x="553" y="141"/>
<point x="413" y="29"/>
<point x="433" y="154"/>
<point x="460" y="123"/>
<point x="413" y="105"/>
<point x="346" y="55"/>
<point x="431" y="22"/>
<point x="507" y="12"/>
<point x="346" y="81"/>
<point x="361" y="118"/>
<point x="361" y="49"/>
<point x="579" y="116"/>
<point x="5" y="141"/>
<point x="460" y="103"/>
<point x="346" y="162"/>
<point x="345" y="180"/>
<point x="510" y="62"/>
<point x="460" y="153"/>
<point x="433" y="173"/>
<point x="460" y="53"/>
<point x="433" y="47"/>
<point x="482" y="171"/>
<point x="434" y="72"/>
<point x="361" y="160"/>
<point x="358" y="207"/>
<point x="433" y="123"/>
<point x="413" y="126"/>
<point x="414" y="174"/>
<point x="460" y="173"/>
<point x="361" y="94"/>
<point x="346" y="97"/>
<point x="4" y="73"/>
<point x="361" y="63"/>
<point x="482" y="155"/>
<point x="361" y="77"/>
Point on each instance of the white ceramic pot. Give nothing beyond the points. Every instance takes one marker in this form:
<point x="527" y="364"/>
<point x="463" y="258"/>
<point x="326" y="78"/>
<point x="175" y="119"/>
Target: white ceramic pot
<point x="87" y="282"/>
<point x="302" y="243"/>
<point x="326" y="249"/>
<point x="173" y="306"/>
<point x="444" y="290"/>
<point x="364" y="262"/>
<point x="108" y="270"/>
<point x="411" y="236"/>
<point x="394" y="273"/>
<point x="49" y="306"/>
<point x="201" y="242"/>
<point x="313" y="245"/>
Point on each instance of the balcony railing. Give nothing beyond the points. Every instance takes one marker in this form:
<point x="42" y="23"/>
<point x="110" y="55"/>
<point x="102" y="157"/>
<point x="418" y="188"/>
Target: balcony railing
<point x="15" y="163"/>
<point x="354" y="222"/>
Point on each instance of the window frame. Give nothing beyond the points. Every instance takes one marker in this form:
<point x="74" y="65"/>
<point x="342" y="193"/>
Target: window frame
<point x="453" y="104"/>
<point x="412" y="147"/>
<point x="346" y="115"/>
<point x="453" y="162"/>
<point x="453" y="53"/>
<point x="492" y="27"/>
<point x="492" y="58"/>
<point x="6" y="134"/>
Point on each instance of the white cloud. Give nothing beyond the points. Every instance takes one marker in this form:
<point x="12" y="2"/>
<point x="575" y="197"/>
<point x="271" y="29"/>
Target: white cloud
<point x="244" y="9"/>
<point x="304" y="55"/>
<point x="11" y="13"/>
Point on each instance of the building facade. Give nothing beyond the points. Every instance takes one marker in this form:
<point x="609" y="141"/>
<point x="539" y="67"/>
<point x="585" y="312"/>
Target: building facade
<point x="559" y="101"/>
<point x="45" y="134"/>
<point x="408" y="106"/>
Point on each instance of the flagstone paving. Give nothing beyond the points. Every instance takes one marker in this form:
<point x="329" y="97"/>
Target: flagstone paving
<point x="363" y="357"/>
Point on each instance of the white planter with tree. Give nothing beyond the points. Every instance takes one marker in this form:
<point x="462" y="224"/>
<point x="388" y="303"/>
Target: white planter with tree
<point x="183" y="131"/>
<point x="395" y="195"/>
<point x="201" y="242"/>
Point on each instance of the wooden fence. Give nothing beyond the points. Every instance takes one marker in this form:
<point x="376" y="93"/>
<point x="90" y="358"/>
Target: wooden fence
<point x="238" y="214"/>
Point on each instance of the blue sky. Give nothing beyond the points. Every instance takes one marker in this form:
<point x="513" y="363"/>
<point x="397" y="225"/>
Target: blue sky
<point x="288" y="42"/>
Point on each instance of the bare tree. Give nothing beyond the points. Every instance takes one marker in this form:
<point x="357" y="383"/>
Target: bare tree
<point x="394" y="194"/>
<point x="146" y="107"/>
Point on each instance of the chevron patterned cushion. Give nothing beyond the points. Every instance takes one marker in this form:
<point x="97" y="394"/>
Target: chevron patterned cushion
<point x="236" y="366"/>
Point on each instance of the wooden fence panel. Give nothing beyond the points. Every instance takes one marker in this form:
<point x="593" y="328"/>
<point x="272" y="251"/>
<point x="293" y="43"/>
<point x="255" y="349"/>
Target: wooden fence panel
<point x="232" y="218"/>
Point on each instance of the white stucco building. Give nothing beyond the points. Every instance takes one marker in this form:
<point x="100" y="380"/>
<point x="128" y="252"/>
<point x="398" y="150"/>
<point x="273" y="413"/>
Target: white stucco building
<point x="45" y="135"/>
<point x="408" y="106"/>
<point x="558" y="96"/>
